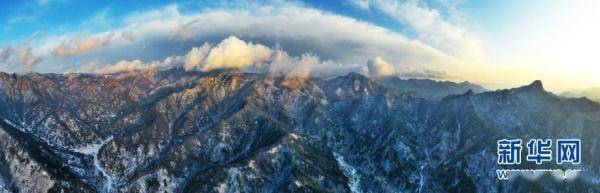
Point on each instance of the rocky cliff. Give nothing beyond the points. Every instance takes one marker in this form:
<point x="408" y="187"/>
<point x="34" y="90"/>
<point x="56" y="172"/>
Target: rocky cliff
<point x="189" y="131"/>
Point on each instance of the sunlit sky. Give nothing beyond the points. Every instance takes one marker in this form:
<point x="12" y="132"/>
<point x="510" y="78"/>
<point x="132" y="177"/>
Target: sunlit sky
<point x="496" y="43"/>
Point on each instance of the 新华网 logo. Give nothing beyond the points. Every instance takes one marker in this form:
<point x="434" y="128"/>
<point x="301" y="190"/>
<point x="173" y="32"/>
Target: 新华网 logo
<point x="538" y="151"/>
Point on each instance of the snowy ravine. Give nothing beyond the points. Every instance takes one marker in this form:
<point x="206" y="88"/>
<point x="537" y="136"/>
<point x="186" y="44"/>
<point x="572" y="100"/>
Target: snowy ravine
<point x="192" y="131"/>
<point x="350" y="172"/>
<point x="93" y="150"/>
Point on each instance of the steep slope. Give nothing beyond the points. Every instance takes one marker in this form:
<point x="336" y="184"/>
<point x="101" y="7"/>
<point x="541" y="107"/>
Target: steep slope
<point x="469" y="125"/>
<point x="186" y="131"/>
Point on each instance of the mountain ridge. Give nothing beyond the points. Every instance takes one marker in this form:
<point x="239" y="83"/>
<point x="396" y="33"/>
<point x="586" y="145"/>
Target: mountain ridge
<point x="179" y="131"/>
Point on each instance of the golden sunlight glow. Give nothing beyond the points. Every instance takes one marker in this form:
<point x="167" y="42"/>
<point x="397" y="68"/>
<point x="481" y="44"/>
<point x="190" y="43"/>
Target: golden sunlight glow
<point x="557" y="43"/>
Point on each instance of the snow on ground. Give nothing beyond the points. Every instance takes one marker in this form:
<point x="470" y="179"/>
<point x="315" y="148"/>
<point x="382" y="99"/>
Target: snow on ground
<point x="93" y="150"/>
<point x="350" y="173"/>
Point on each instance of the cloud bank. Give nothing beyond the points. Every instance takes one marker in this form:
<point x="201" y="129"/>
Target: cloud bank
<point x="263" y="38"/>
<point x="235" y="53"/>
<point x="230" y="53"/>
<point x="429" y="24"/>
<point x="77" y="46"/>
<point x="379" y="67"/>
<point x="5" y="53"/>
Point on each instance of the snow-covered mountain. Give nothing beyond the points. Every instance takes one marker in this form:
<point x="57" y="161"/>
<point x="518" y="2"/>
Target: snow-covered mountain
<point x="428" y="89"/>
<point x="190" y="131"/>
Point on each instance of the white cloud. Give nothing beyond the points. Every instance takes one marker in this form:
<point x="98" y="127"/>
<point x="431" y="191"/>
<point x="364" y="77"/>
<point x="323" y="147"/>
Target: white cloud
<point x="379" y="67"/>
<point x="195" y="57"/>
<point x="430" y="26"/>
<point x="132" y="65"/>
<point x="24" y="56"/>
<point x="77" y="46"/>
<point x="426" y="73"/>
<point x="235" y="53"/>
<point x="124" y="65"/>
<point x="128" y="35"/>
<point x="342" y="44"/>
<point x="303" y="29"/>
<point x="301" y="71"/>
<point x="5" y="53"/>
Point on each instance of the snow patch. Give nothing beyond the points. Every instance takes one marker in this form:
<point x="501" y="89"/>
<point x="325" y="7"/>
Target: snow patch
<point x="252" y="165"/>
<point x="223" y="187"/>
<point x="350" y="172"/>
<point x="274" y="149"/>
<point x="295" y="136"/>
<point x="25" y="129"/>
<point x="93" y="150"/>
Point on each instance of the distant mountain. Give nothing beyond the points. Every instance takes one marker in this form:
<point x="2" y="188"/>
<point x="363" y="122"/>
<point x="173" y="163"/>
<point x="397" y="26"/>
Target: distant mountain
<point x="188" y="131"/>
<point x="429" y="89"/>
<point x="592" y="93"/>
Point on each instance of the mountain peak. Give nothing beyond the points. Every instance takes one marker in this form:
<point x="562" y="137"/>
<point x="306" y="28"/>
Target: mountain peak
<point x="64" y="131"/>
<point x="356" y="75"/>
<point x="537" y="84"/>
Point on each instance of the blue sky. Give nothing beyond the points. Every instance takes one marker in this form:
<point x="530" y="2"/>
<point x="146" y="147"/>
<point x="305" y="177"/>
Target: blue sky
<point x="21" y="19"/>
<point x="480" y="41"/>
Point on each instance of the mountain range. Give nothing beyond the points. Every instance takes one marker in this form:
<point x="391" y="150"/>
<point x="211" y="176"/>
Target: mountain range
<point x="224" y="131"/>
<point x="592" y="93"/>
